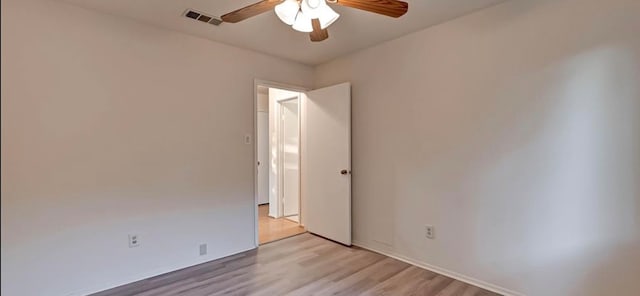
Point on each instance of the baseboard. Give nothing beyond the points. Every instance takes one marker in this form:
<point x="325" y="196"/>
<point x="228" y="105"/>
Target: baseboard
<point x="443" y="271"/>
<point x="150" y="274"/>
<point x="436" y="269"/>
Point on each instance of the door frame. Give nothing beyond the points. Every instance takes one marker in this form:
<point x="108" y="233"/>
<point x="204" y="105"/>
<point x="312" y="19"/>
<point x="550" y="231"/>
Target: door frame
<point x="270" y="84"/>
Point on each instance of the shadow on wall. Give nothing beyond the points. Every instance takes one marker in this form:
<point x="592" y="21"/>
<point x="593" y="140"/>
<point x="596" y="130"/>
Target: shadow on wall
<point x="579" y="192"/>
<point x="589" y="218"/>
<point x="619" y="265"/>
<point x="561" y="163"/>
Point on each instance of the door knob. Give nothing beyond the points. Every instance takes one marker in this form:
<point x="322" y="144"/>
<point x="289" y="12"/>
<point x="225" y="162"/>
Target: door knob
<point x="345" y="172"/>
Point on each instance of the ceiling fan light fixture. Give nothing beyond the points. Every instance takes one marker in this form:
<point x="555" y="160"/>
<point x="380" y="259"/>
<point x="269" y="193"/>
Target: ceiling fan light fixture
<point x="327" y="16"/>
<point x="303" y="23"/>
<point x="287" y="11"/>
<point x="312" y="16"/>
<point x="313" y="8"/>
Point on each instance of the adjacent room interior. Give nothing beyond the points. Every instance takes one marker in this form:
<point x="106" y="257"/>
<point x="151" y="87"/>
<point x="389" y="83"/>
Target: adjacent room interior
<point x="320" y="147"/>
<point x="278" y="161"/>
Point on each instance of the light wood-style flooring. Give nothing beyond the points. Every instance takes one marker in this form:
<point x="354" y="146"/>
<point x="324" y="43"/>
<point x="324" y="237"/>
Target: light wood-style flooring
<point x="301" y="265"/>
<point x="270" y="229"/>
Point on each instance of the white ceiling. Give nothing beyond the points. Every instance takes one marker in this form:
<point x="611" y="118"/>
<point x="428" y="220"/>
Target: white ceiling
<point x="265" y="33"/>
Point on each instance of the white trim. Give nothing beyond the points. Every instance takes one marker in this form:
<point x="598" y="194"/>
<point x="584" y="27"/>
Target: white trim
<point x="440" y="270"/>
<point x="273" y="84"/>
<point x="151" y="274"/>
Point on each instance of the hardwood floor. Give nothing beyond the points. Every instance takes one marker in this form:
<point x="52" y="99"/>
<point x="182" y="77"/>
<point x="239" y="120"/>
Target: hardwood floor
<point x="270" y="229"/>
<point x="301" y="265"/>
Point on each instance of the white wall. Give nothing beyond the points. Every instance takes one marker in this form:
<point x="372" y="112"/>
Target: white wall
<point x="516" y="132"/>
<point x="111" y="127"/>
<point x="262" y="140"/>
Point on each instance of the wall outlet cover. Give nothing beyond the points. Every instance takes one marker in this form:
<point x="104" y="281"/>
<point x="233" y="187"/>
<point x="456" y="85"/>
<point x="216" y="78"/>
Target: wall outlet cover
<point x="429" y="232"/>
<point x="134" y="240"/>
<point x="203" y="249"/>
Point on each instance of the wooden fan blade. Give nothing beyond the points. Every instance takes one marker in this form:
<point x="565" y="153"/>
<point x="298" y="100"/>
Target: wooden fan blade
<point x="318" y="33"/>
<point x="250" y="11"/>
<point x="392" y="8"/>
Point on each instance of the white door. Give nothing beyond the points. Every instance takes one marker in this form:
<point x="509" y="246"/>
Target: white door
<point x="326" y="162"/>
<point x="263" y="158"/>
<point x="290" y="158"/>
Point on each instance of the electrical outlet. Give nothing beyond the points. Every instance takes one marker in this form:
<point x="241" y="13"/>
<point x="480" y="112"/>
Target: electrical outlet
<point x="429" y="231"/>
<point x="203" y="249"/>
<point x="134" y="240"/>
<point x="247" y="139"/>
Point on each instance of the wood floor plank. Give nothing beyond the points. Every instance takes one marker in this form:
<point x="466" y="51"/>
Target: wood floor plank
<point x="302" y="265"/>
<point x="272" y="229"/>
<point x="364" y="279"/>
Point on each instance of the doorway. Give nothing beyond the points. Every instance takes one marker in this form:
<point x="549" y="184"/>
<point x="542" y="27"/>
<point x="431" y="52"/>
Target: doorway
<point x="303" y="162"/>
<point x="278" y="153"/>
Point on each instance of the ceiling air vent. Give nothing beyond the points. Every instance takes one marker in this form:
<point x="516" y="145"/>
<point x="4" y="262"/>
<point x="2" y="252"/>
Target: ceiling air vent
<point x="203" y="17"/>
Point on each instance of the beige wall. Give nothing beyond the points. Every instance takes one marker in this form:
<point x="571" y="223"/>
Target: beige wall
<point x="522" y="147"/>
<point x="515" y="131"/>
<point x="111" y="127"/>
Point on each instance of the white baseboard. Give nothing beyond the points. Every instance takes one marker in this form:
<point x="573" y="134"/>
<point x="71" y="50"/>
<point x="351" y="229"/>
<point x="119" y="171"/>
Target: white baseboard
<point x="443" y="271"/>
<point x="143" y="276"/>
<point x="436" y="269"/>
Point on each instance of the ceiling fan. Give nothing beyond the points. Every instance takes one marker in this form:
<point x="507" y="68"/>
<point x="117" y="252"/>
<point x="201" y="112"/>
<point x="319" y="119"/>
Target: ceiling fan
<point x="314" y="16"/>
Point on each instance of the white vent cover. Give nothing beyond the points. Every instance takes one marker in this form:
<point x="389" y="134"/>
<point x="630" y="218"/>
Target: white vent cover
<point x="203" y="17"/>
